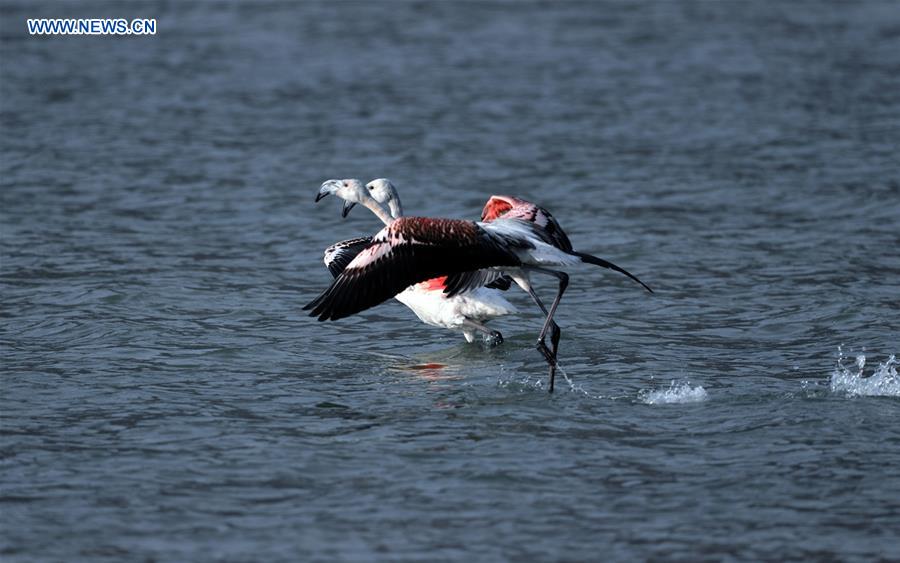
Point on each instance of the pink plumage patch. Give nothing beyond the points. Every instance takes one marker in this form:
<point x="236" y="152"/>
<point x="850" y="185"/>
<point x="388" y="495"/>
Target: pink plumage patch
<point x="434" y="284"/>
<point x="509" y="207"/>
<point x="495" y="207"/>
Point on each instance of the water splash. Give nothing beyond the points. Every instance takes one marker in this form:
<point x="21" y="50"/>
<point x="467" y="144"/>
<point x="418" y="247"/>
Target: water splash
<point x="677" y="393"/>
<point x="540" y="383"/>
<point x="573" y="387"/>
<point x="882" y="382"/>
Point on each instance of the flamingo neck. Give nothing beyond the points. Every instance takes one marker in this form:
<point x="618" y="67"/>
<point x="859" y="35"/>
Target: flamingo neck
<point x="378" y="210"/>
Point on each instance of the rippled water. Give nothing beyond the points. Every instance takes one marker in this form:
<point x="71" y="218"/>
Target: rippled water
<point x="165" y="398"/>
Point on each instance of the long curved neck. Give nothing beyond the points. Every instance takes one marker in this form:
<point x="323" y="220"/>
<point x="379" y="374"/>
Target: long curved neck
<point x="379" y="211"/>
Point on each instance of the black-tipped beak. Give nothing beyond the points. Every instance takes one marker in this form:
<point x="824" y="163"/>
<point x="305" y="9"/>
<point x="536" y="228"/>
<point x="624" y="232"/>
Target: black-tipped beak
<point x="347" y="207"/>
<point x="328" y="187"/>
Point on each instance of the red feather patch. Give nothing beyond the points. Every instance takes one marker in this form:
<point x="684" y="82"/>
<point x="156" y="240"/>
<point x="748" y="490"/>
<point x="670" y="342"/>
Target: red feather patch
<point x="434" y="284"/>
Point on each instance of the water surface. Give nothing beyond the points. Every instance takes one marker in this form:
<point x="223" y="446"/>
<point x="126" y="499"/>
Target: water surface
<point x="165" y="398"/>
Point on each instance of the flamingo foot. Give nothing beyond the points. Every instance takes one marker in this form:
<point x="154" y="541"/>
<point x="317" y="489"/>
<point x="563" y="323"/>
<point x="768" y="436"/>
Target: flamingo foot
<point x="494" y="339"/>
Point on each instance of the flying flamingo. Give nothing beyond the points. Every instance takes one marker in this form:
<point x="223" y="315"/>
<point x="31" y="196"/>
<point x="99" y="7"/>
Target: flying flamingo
<point x="522" y="238"/>
<point x="466" y="311"/>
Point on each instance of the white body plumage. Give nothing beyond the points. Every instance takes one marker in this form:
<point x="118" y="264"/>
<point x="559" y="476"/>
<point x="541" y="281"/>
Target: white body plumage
<point x="436" y="309"/>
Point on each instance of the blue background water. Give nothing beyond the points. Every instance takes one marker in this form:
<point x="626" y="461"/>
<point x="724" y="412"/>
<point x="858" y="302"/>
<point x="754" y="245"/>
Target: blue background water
<point x="165" y="398"/>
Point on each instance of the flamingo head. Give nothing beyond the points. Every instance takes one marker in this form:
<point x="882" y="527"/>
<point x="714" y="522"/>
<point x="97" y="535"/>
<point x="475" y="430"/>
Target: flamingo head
<point x="384" y="192"/>
<point x="350" y="190"/>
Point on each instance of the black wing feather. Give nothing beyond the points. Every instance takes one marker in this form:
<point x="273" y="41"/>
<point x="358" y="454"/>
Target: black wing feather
<point x="407" y="261"/>
<point x="467" y="281"/>
<point x="590" y="259"/>
<point x="555" y="234"/>
<point x="339" y="254"/>
<point x="502" y="283"/>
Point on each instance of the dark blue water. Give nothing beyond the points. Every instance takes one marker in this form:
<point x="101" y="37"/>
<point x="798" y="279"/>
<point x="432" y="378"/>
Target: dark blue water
<point x="164" y="397"/>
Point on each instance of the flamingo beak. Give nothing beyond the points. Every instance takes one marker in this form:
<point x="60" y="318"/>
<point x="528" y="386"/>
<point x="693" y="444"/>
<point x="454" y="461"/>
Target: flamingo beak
<point x="347" y="207"/>
<point x="328" y="187"/>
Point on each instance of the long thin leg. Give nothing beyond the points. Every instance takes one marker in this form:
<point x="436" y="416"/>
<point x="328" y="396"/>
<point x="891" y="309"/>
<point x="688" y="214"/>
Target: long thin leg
<point x="548" y="323"/>
<point x="522" y="280"/>
<point x="563" y="284"/>
<point x="496" y="337"/>
<point x="554" y="343"/>
<point x="549" y="353"/>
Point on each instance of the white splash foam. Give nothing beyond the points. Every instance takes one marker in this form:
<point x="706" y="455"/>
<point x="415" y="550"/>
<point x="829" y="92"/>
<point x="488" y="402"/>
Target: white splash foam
<point x="677" y="393"/>
<point x="883" y="382"/>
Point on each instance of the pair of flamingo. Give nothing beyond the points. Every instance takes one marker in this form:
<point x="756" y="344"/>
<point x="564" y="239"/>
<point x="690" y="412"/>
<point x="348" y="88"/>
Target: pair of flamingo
<point x="449" y="271"/>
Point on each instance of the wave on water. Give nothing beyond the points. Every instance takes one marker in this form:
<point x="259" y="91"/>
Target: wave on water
<point x="882" y="382"/>
<point x="677" y="393"/>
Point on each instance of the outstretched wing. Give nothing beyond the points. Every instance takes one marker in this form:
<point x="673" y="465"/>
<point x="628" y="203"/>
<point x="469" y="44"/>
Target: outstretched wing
<point x="339" y="254"/>
<point x="408" y="251"/>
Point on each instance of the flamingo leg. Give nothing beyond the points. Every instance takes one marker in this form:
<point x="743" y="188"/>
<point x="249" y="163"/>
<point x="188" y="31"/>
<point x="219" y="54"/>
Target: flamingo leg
<point x="549" y="353"/>
<point x="554" y="343"/>
<point x="494" y="335"/>
<point x="549" y="323"/>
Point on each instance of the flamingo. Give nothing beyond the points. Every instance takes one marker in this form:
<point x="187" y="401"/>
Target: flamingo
<point x="466" y="311"/>
<point x="514" y="238"/>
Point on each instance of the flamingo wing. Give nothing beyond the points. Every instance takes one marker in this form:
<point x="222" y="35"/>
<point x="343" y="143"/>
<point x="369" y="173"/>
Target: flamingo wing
<point x="502" y="283"/>
<point x="467" y="281"/>
<point x="408" y="251"/>
<point x="510" y="207"/>
<point x="554" y="232"/>
<point x="339" y="254"/>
